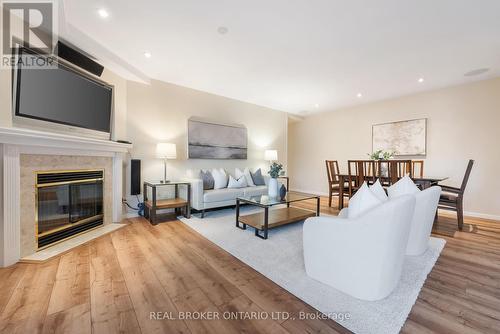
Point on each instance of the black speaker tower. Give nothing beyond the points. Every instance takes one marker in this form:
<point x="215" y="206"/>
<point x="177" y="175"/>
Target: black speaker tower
<point x="135" y="177"/>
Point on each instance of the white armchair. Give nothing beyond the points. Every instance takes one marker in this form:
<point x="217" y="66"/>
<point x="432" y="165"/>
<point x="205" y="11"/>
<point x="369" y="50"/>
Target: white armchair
<point x="423" y="218"/>
<point x="362" y="257"/>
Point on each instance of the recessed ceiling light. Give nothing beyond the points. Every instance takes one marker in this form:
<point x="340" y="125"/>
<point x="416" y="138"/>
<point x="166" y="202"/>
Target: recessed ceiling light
<point x="476" y="72"/>
<point x="316" y="105"/>
<point x="420" y="80"/>
<point x="222" y="30"/>
<point x="103" y="13"/>
<point x="359" y="95"/>
<point x="147" y="54"/>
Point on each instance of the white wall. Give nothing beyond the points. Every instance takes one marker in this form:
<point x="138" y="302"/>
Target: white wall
<point x="463" y="124"/>
<point x="159" y="113"/>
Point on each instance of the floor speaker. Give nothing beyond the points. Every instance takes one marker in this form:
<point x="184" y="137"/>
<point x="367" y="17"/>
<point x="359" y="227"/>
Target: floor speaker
<point x="135" y="177"/>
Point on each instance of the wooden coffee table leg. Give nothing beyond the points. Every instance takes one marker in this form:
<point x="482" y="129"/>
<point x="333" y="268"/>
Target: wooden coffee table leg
<point x="266" y="221"/>
<point x="238" y="216"/>
<point x="266" y="225"/>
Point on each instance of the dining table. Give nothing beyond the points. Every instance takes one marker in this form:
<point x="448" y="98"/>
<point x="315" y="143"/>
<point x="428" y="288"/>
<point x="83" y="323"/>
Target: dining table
<point x="424" y="182"/>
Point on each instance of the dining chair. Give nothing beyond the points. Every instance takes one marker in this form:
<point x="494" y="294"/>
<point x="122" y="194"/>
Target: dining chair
<point x="398" y="169"/>
<point x="360" y="171"/>
<point x="403" y="168"/>
<point x="333" y="171"/>
<point x="390" y="171"/>
<point x="417" y="165"/>
<point x="370" y="168"/>
<point x="452" y="198"/>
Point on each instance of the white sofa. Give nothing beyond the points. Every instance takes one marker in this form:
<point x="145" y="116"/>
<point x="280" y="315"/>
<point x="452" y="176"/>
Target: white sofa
<point x="423" y="218"/>
<point x="218" y="198"/>
<point x="362" y="257"/>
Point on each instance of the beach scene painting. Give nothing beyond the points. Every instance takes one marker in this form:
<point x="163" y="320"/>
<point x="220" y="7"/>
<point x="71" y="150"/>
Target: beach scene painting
<point x="209" y="140"/>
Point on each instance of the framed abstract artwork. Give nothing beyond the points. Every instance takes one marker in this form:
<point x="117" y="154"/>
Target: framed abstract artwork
<point x="402" y="137"/>
<point x="210" y="140"/>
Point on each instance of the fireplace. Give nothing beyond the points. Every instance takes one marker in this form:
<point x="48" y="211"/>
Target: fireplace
<point x="67" y="203"/>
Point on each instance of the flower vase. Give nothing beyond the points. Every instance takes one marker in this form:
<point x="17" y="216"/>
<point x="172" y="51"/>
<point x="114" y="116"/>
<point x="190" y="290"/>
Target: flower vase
<point x="273" y="187"/>
<point x="384" y="172"/>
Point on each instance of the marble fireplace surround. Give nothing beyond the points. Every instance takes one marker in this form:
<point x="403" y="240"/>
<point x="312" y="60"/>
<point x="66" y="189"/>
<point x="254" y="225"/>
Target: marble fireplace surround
<point x="23" y="151"/>
<point x="31" y="163"/>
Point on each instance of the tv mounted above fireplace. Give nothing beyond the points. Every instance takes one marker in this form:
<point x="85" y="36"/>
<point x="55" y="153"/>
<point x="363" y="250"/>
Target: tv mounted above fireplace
<point x="61" y="94"/>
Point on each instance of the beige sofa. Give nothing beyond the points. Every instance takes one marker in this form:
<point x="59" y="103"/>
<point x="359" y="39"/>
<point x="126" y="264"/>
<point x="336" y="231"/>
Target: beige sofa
<point x="202" y="200"/>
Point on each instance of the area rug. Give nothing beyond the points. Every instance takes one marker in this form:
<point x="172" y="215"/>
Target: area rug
<point x="286" y="268"/>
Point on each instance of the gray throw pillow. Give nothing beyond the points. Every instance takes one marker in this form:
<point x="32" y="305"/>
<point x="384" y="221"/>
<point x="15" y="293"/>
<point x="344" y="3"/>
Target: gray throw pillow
<point x="257" y="178"/>
<point x="208" y="180"/>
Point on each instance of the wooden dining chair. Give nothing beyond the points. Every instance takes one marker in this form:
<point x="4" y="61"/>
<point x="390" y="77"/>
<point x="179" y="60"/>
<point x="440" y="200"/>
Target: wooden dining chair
<point x="333" y="171"/>
<point x="452" y="198"/>
<point x="417" y="165"/>
<point x="403" y="168"/>
<point x="398" y="169"/>
<point x="360" y="171"/>
<point x="369" y="168"/>
<point x="390" y="171"/>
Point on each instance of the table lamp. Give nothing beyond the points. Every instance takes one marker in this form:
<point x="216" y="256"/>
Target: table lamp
<point x="271" y="155"/>
<point x="166" y="151"/>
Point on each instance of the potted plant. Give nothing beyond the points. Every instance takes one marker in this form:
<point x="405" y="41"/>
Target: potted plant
<point x="275" y="170"/>
<point x="382" y="155"/>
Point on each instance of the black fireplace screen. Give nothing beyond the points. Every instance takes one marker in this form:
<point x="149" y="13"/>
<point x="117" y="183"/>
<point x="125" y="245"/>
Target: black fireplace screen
<point x="68" y="206"/>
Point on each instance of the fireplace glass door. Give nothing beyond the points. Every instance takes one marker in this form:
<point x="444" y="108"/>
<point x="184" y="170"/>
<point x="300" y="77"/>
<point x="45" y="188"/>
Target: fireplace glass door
<point x="67" y="208"/>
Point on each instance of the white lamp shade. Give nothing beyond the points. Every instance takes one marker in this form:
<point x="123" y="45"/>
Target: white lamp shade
<point x="271" y="155"/>
<point x="166" y="151"/>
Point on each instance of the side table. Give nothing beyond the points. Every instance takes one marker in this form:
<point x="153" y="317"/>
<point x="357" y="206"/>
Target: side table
<point x="151" y="206"/>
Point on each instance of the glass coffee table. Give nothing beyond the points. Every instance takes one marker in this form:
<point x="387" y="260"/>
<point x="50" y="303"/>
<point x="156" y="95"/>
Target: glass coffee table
<point x="263" y="221"/>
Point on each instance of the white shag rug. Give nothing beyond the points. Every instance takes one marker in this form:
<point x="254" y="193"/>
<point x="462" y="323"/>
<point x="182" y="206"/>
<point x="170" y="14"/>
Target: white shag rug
<point x="286" y="268"/>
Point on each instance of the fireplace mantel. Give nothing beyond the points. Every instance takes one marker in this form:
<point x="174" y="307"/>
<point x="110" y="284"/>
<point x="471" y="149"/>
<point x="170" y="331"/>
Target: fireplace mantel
<point x="17" y="141"/>
<point x="21" y="136"/>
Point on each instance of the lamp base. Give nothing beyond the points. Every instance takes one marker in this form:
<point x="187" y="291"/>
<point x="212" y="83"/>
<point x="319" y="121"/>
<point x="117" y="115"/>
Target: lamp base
<point x="164" y="181"/>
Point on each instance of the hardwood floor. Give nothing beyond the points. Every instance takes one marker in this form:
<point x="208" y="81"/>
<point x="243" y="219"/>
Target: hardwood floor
<point x="113" y="283"/>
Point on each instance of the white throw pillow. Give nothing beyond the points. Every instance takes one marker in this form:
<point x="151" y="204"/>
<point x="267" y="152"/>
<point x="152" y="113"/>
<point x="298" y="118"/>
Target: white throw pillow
<point x="220" y="178"/>
<point x="379" y="191"/>
<point x="241" y="182"/>
<point x="246" y="173"/>
<point x="404" y="186"/>
<point x="362" y="201"/>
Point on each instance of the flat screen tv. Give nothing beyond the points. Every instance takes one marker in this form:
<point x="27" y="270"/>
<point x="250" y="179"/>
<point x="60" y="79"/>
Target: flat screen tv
<point x="62" y="95"/>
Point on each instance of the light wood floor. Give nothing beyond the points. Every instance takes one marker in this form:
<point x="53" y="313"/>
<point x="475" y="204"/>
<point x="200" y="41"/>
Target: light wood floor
<point x="112" y="284"/>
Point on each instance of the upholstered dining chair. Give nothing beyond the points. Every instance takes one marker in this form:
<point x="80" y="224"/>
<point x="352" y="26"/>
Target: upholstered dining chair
<point x="452" y="198"/>
<point x="332" y="170"/>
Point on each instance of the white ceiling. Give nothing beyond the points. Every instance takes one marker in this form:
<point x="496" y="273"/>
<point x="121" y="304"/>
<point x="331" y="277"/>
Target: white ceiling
<point x="303" y="55"/>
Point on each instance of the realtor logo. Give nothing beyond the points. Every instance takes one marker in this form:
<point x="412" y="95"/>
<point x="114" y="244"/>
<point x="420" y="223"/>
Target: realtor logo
<point x="30" y="25"/>
<point x="27" y="24"/>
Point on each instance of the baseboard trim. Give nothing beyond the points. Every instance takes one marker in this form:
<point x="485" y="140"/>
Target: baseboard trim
<point x="466" y="213"/>
<point x="481" y="215"/>
<point x="312" y="192"/>
<point x="130" y="215"/>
